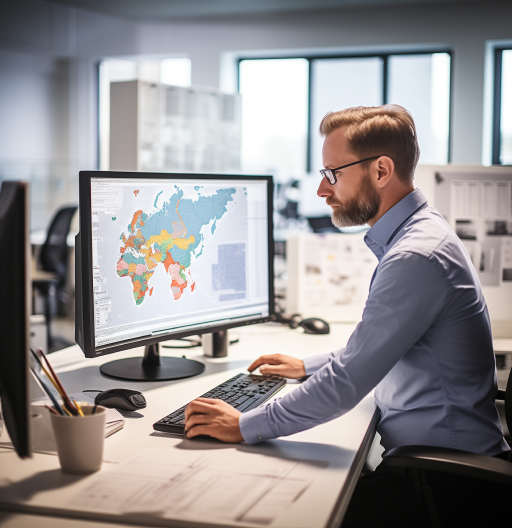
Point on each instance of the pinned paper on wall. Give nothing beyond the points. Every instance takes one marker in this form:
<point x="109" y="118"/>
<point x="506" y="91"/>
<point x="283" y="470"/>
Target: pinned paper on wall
<point x="479" y="210"/>
<point x="328" y="270"/>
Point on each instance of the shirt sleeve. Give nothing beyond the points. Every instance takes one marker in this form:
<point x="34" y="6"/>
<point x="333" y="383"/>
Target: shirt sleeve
<point x="315" y="363"/>
<point x="407" y="295"/>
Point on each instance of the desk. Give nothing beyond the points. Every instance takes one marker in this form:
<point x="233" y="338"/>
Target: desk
<point x="33" y="490"/>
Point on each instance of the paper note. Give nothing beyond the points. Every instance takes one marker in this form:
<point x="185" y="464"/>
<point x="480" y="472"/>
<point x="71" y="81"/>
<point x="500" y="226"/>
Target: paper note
<point x="480" y="212"/>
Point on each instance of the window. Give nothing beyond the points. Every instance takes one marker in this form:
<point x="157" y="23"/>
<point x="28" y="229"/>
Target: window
<point x="337" y="84"/>
<point x="284" y="100"/>
<point x="421" y="83"/>
<point x="502" y="134"/>
<point x="176" y="72"/>
<point x="274" y="116"/>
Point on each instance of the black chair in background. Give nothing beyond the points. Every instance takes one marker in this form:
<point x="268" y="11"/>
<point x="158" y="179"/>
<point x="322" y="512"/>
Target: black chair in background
<point x="54" y="260"/>
<point x="322" y="224"/>
<point x="422" y="459"/>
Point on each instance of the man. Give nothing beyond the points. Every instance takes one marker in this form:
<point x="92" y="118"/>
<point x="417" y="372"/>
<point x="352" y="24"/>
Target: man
<point x="424" y="341"/>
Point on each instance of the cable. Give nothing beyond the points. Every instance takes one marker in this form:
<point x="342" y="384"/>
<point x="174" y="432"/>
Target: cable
<point x="193" y="343"/>
<point x="279" y="317"/>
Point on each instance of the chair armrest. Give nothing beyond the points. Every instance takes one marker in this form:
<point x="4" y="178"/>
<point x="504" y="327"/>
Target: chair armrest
<point x="500" y="395"/>
<point x="448" y="460"/>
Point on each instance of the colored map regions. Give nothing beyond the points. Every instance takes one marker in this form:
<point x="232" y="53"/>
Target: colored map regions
<point x="137" y="270"/>
<point x="168" y="237"/>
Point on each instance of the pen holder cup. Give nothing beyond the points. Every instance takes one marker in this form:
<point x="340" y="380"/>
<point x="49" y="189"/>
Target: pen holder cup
<point x="80" y="440"/>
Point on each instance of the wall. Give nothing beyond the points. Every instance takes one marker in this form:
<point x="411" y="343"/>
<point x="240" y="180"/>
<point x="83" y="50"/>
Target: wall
<point x="48" y="96"/>
<point x="49" y="56"/>
<point x="463" y="28"/>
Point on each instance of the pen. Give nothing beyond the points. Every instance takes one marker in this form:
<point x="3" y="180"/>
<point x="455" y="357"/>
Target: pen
<point x="49" y="376"/>
<point x="48" y="391"/>
<point x="55" y="382"/>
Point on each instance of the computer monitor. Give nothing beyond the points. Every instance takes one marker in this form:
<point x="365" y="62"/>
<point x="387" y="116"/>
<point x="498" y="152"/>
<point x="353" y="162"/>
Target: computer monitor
<point x="14" y="314"/>
<point x="165" y="256"/>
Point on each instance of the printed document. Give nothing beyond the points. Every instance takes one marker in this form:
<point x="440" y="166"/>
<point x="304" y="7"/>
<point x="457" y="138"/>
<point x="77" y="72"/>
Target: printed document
<point x="221" y="484"/>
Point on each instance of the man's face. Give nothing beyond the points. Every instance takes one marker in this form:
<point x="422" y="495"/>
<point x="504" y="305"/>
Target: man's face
<point x="353" y="198"/>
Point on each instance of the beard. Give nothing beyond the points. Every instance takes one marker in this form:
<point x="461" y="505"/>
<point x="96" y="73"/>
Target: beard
<point x="358" y="210"/>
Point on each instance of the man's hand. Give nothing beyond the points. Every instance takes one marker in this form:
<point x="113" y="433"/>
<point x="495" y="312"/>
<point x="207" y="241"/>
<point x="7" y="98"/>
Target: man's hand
<point x="206" y="416"/>
<point x="286" y="366"/>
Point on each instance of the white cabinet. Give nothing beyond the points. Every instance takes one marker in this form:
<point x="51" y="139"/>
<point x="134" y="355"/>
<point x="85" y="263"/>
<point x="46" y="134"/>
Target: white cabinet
<point x="157" y="127"/>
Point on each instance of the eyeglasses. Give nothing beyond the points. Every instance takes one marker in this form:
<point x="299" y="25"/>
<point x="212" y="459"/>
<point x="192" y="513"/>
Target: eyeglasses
<point x="330" y="174"/>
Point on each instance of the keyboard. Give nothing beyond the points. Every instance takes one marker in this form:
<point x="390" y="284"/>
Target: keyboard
<point x="244" y="392"/>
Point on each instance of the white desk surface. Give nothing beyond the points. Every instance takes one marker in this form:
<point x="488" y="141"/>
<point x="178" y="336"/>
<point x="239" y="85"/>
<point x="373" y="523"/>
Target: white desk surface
<point x="35" y="492"/>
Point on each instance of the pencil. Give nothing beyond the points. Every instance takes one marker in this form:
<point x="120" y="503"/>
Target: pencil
<point x="51" y="409"/>
<point x="56" y="382"/>
<point x="80" y="412"/>
<point x="48" y="375"/>
<point x="48" y="391"/>
<point x="52" y="380"/>
<point x="58" y="386"/>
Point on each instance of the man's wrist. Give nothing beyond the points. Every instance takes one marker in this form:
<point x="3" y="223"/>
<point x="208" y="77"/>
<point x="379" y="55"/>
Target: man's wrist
<point x="254" y="426"/>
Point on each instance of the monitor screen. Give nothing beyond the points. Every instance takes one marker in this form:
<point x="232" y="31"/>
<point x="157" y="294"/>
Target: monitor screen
<point x="14" y="314"/>
<point x="170" y="255"/>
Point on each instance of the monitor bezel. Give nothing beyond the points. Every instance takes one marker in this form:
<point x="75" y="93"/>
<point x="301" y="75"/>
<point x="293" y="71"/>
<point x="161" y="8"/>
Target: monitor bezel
<point x="15" y="317"/>
<point x="85" y="328"/>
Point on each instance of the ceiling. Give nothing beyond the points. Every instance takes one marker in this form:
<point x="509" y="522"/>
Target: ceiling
<point x="190" y="9"/>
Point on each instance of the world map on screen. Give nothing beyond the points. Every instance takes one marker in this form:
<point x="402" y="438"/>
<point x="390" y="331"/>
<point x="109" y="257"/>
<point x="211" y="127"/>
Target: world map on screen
<point x="168" y="237"/>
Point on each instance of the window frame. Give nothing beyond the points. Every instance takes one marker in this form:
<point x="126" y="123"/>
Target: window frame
<point x="385" y="80"/>
<point x="496" y="112"/>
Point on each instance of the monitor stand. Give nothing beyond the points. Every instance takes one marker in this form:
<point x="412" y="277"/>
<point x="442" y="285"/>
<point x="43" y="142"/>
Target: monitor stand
<point x="215" y="344"/>
<point x="152" y="367"/>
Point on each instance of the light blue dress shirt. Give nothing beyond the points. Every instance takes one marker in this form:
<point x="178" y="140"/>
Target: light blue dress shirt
<point x="424" y="343"/>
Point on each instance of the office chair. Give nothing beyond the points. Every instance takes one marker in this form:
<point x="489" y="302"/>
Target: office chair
<point x="322" y="224"/>
<point x="421" y="459"/>
<point x="54" y="258"/>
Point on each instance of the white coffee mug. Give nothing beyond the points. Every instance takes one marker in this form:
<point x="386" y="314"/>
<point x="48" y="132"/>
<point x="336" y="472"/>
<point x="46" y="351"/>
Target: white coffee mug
<point x="80" y="440"/>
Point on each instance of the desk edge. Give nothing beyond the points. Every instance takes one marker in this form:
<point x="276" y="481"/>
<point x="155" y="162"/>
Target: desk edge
<point x="353" y="474"/>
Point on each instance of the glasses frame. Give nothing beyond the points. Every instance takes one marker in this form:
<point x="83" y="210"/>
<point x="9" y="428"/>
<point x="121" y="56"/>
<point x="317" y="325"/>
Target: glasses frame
<point x="330" y="174"/>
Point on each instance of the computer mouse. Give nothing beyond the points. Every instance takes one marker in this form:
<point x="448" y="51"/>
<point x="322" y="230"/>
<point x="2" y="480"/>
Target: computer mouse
<point x="315" y="326"/>
<point x="121" y="399"/>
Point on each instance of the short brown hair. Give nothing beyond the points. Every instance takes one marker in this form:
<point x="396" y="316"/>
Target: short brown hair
<point x="386" y="130"/>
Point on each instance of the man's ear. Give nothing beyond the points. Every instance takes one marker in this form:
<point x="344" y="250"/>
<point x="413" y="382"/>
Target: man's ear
<point x="385" y="169"/>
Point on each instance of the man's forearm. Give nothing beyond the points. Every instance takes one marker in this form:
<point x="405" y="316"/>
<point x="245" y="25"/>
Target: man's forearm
<point x="315" y="363"/>
<point x="387" y="331"/>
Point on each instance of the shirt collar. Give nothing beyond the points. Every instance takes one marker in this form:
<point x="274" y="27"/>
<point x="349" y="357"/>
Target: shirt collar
<point x="386" y="226"/>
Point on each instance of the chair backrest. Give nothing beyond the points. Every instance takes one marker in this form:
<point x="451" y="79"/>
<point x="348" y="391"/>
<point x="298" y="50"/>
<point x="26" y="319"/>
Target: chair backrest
<point x="54" y="253"/>
<point x="322" y="224"/>
<point x="508" y="402"/>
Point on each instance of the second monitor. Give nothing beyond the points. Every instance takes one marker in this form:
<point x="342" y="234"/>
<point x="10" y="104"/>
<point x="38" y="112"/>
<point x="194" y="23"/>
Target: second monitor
<point x="162" y="256"/>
